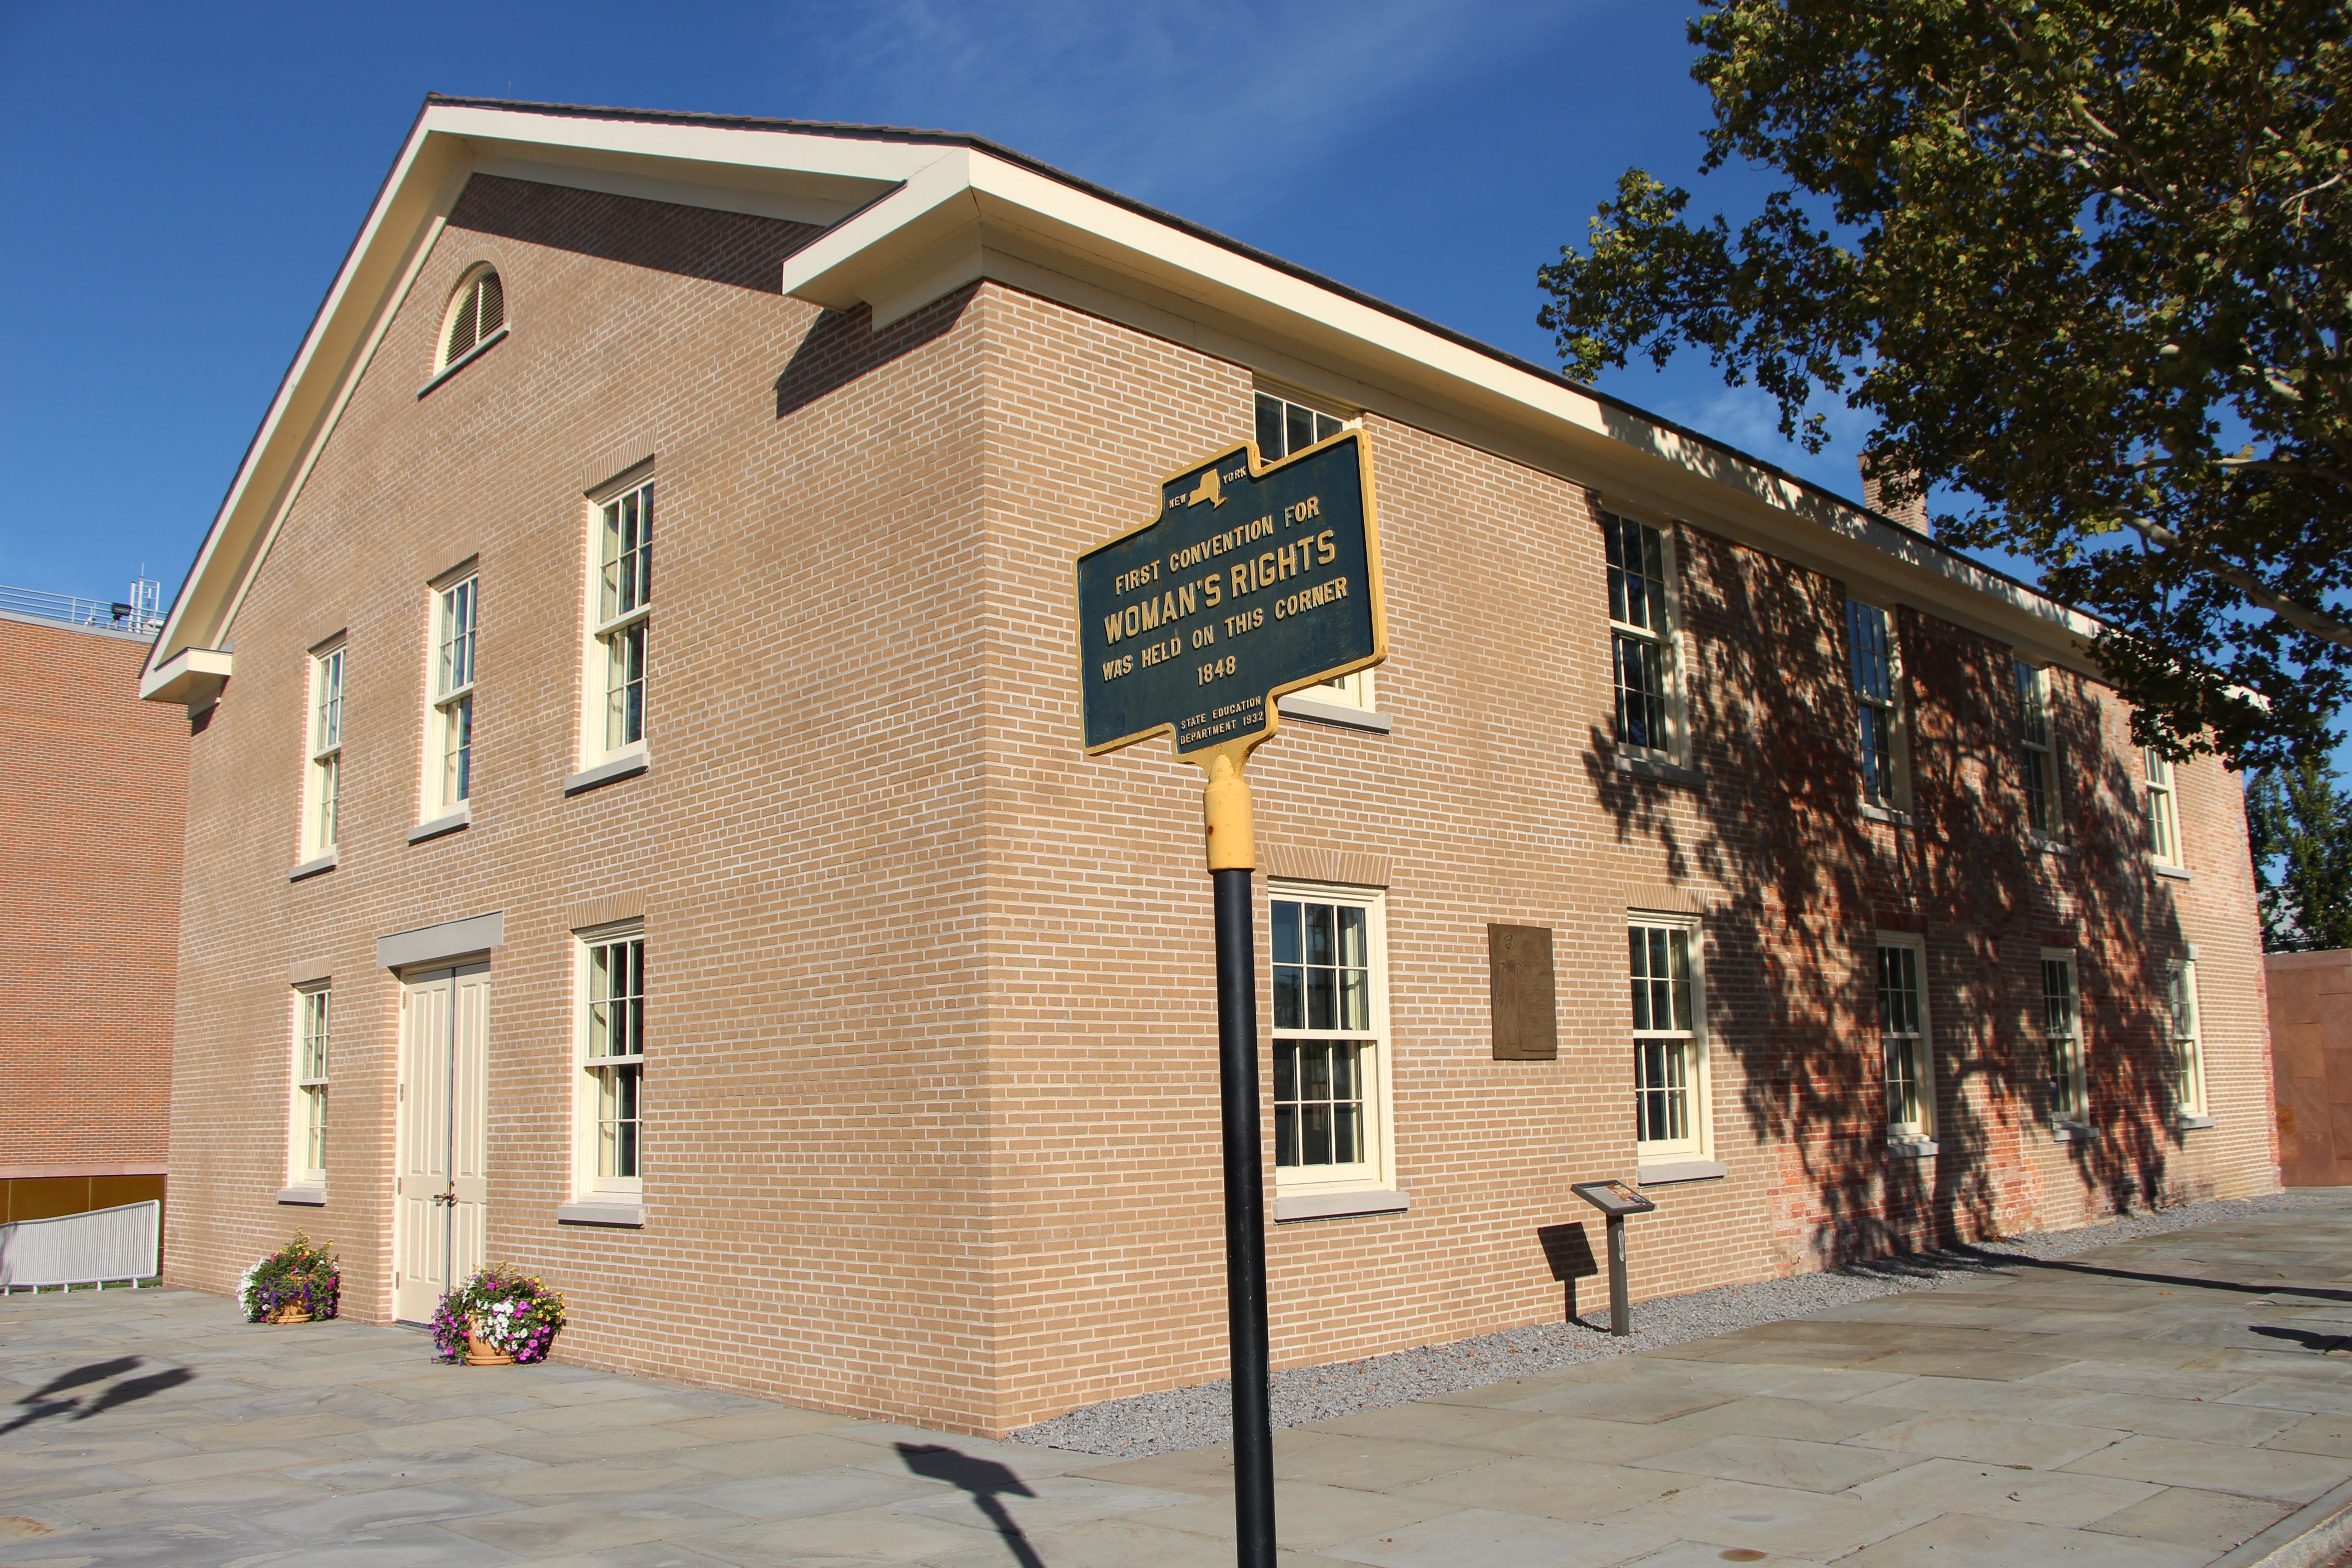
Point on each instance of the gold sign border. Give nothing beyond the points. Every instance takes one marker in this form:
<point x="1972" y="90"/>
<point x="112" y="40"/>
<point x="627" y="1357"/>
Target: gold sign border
<point x="1258" y="469"/>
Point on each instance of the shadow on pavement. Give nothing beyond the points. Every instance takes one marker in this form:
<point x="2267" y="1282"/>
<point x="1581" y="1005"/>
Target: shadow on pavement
<point x="986" y="1480"/>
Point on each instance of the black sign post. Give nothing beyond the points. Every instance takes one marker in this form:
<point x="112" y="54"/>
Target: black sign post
<point x="1252" y="580"/>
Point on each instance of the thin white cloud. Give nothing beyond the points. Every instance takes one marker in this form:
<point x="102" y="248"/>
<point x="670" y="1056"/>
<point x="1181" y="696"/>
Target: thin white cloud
<point x="1213" y="108"/>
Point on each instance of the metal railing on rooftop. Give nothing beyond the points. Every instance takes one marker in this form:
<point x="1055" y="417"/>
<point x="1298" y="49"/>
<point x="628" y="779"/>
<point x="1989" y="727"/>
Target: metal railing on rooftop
<point x="143" y="616"/>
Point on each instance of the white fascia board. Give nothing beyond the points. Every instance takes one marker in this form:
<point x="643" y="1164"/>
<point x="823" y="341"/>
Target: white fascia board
<point x="971" y="212"/>
<point x="415" y="199"/>
<point x="189" y="677"/>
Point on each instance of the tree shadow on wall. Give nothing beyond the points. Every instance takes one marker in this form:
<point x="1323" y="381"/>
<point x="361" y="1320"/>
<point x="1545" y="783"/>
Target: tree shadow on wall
<point x="1806" y="881"/>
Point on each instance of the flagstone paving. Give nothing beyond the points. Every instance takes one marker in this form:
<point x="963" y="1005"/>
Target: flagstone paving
<point x="2176" y="1400"/>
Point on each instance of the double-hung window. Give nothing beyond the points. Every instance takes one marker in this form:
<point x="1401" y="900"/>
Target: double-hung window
<point x="1328" y="1016"/>
<point x="624" y="587"/>
<point x="2163" y="812"/>
<point x="1640" y="570"/>
<point x="2188" y="1049"/>
<point x="1285" y="427"/>
<point x="610" y="1115"/>
<point x="1669" y="1048"/>
<point x="2061" y="1034"/>
<point x="311" y="1017"/>
<point x="457" y="608"/>
<point x="2037" y="760"/>
<point x="1902" y="1040"/>
<point x="1878" y="706"/>
<point x="323" y="790"/>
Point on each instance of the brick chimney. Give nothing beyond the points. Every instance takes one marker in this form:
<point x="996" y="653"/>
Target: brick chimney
<point x="1911" y="514"/>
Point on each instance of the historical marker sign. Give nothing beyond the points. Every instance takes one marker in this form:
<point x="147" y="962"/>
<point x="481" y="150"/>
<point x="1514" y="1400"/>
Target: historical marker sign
<point x="1252" y="581"/>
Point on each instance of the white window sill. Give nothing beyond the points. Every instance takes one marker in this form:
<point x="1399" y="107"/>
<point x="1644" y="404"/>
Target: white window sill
<point x="313" y="866"/>
<point x="1654" y="768"/>
<point x="613" y="1212"/>
<point x="628" y="765"/>
<point x="450" y="822"/>
<point x="2178" y="873"/>
<point x="1338" y="1204"/>
<point x="1905" y="1147"/>
<point x="2073" y="1131"/>
<point x="1298" y="705"/>
<point x="468" y="357"/>
<point x="2047" y="845"/>
<point x="2188" y="1123"/>
<point x="1885" y="814"/>
<point x="1663" y="1172"/>
<point x="305" y="1196"/>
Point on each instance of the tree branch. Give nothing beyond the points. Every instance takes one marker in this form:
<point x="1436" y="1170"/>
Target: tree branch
<point x="2301" y="616"/>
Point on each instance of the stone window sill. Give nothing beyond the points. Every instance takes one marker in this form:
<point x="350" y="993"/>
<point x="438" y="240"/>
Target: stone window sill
<point x="1914" y="1148"/>
<point x="1338" y="1204"/>
<point x="308" y="1197"/>
<point x="1663" y="1172"/>
<point x="2047" y="845"/>
<point x="468" y="357"/>
<point x="1886" y="814"/>
<point x="2073" y="1131"/>
<point x="608" y="1211"/>
<point x="624" y="767"/>
<point x="315" y="864"/>
<point x="440" y="825"/>
<point x="2192" y="1123"/>
<point x="2178" y="873"/>
<point x="1297" y="705"/>
<point x="1663" y="772"/>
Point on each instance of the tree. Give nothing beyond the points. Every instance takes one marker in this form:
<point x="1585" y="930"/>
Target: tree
<point x="2299" y="816"/>
<point x="2088" y="266"/>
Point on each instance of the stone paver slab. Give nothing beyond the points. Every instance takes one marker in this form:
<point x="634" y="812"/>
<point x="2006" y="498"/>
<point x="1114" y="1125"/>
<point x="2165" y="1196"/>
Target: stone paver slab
<point x="1736" y="1515"/>
<point x="1483" y="1425"/>
<point x="1768" y="1416"/>
<point x="353" y="1513"/>
<point x="1547" y="1488"/>
<point x="2317" y="1434"/>
<point x="1965" y="1541"/>
<point x="1482" y="1538"/>
<point x="1778" y="1462"/>
<point x="620" y="1518"/>
<point x="862" y="1535"/>
<point x="1631" y="1403"/>
<point x="2186" y="1516"/>
<point x="2032" y="1497"/>
<point x="1377" y="1463"/>
<point x="2272" y="1473"/>
<point x="1991" y="1440"/>
<point x="1578" y="1437"/>
<point x="1307" y="1515"/>
<point x="2208" y="1421"/>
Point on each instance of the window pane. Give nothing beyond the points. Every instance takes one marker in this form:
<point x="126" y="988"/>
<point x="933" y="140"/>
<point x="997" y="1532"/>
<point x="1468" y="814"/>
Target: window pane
<point x="1286" y="948"/>
<point x="1269" y="427"/>
<point x="1355" y="999"/>
<point x="1322" y="999"/>
<point x="1319" y="945"/>
<point x="1298" y="431"/>
<point x="1290" y="997"/>
<point x="1352" y="949"/>
<point x="1872" y="668"/>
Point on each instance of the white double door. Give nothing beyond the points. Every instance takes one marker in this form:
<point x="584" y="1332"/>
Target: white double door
<point x="439" y="1190"/>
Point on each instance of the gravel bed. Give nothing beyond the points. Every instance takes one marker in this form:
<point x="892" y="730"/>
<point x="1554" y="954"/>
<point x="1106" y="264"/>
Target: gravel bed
<point x="1192" y="1417"/>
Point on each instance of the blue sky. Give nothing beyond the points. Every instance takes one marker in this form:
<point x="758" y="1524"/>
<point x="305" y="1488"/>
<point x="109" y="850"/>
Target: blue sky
<point x="182" y="182"/>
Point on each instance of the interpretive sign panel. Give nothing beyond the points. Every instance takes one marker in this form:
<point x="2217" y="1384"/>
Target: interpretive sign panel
<point x="1251" y="582"/>
<point x="1614" y="1199"/>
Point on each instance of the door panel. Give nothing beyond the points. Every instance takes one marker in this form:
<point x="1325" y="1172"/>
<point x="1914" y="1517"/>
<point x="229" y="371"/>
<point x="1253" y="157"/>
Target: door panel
<point x="470" y="1126"/>
<point x="421" y="1240"/>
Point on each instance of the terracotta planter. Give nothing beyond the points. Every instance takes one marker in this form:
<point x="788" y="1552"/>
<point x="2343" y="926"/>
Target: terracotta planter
<point x="289" y="1315"/>
<point x="480" y="1352"/>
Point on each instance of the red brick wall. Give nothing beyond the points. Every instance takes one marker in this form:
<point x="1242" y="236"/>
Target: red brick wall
<point x="90" y="846"/>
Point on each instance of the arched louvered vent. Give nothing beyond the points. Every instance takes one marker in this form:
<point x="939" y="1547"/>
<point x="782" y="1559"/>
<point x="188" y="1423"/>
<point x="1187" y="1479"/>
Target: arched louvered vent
<point x="478" y="309"/>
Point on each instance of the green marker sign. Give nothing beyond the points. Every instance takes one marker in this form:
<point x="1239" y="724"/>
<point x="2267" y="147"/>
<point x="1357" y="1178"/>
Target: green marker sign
<point x="1251" y="582"/>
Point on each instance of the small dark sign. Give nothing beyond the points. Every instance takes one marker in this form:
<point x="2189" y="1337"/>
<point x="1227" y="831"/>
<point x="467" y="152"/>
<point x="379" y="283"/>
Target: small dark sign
<point x="1524" y="1017"/>
<point x="1614" y="1199"/>
<point x="1251" y="582"/>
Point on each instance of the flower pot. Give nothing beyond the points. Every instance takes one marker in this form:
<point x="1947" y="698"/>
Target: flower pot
<point x="480" y="1352"/>
<point x="289" y="1315"/>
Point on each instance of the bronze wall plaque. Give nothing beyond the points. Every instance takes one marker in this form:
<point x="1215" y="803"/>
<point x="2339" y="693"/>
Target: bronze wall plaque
<point x="1520" y="990"/>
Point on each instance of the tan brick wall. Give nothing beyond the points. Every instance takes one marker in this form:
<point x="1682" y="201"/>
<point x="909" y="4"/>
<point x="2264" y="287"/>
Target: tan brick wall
<point x="931" y="1122"/>
<point x="90" y="839"/>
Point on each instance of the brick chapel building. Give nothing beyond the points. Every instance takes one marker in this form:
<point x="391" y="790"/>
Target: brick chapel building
<point x="748" y="947"/>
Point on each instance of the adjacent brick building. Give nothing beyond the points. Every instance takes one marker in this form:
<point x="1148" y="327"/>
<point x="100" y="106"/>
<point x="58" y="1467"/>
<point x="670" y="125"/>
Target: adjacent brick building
<point x="750" y="949"/>
<point x="90" y="839"/>
<point x="2311" y="1044"/>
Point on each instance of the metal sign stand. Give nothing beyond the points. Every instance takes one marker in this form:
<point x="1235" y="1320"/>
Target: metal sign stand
<point x="1615" y="1200"/>
<point x="1192" y="625"/>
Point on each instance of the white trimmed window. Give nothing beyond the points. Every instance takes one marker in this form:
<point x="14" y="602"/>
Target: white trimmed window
<point x="2187" y="1040"/>
<point x="1902" y="1038"/>
<point x="322" y="791"/>
<point x="1670" y="1107"/>
<point x="2037" y="756"/>
<point x="623" y="599"/>
<point x="1330" y="1073"/>
<point x="1283" y="427"/>
<point x="2163" y="810"/>
<point x="2061" y="1034"/>
<point x="456" y="610"/>
<point x="1641" y="634"/>
<point x="1877" y="670"/>
<point x="609" y="1113"/>
<point x="312" y="1006"/>
<point x="476" y="311"/>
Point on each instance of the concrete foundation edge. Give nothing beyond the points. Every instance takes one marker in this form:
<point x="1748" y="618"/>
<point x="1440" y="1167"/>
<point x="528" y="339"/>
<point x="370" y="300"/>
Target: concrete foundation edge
<point x="2310" y="1536"/>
